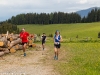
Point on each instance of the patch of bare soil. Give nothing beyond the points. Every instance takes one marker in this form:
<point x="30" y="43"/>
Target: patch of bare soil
<point x="35" y="63"/>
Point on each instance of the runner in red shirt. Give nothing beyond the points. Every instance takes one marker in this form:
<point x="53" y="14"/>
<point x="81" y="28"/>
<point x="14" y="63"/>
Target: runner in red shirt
<point x="24" y="36"/>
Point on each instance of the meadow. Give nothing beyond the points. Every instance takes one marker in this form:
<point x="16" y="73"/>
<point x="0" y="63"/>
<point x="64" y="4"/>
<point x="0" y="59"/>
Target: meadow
<point x="79" y="59"/>
<point x="67" y="30"/>
<point x="76" y="58"/>
<point x="81" y="32"/>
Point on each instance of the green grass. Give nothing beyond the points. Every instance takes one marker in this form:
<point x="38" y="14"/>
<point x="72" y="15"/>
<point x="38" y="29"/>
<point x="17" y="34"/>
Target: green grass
<point x="79" y="59"/>
<point x="75" y="58"/>
<point x="83" y="30"/>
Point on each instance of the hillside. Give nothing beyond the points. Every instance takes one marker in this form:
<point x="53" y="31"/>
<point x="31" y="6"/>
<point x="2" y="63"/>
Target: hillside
<point x="67" y="30"/>
<point x="85" y="12"/>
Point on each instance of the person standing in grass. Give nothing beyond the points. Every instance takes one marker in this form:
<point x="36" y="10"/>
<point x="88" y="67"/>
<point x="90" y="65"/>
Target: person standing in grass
<point x="43" y="38"/>
<point x="57" y="44"/>
<point x="24" y="36"/>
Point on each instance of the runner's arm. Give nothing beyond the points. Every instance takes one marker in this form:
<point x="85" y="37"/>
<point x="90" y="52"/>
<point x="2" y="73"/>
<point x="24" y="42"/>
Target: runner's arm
<point x="61" y="39"/>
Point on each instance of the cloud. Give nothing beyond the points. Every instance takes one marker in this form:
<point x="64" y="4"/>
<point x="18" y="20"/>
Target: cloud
<point x="13" y="7"/>
<point x="83" y="1"/>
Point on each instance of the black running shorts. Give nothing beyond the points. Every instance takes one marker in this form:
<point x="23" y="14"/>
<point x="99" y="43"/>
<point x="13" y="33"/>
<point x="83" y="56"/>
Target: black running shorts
<point x="24" y="43"/>
<point x="43" y="42"/>
<point x="57" y="45"/>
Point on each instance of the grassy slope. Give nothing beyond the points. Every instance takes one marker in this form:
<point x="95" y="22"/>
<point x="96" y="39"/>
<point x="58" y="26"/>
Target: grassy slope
<point x="67" y="30"/>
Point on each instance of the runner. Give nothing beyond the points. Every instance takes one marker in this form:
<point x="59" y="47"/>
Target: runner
<point x="43" y="37"/>
<point x="57" y="40"/>
<point x="24" y="36"/>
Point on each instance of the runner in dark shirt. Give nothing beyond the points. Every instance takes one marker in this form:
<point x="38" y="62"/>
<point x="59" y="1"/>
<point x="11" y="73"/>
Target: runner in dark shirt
<point x="43" y="37"/>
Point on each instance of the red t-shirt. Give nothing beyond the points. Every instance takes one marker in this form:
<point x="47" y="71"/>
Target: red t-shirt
<point x="23" y="36"/>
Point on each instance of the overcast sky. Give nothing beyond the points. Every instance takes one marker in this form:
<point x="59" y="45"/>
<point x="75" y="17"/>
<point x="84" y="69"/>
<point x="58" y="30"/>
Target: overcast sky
<point x="9" y="8"/>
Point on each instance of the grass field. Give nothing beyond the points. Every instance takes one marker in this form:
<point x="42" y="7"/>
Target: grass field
<point x="67" y="30"/>
<point x="74" y="58"/>
<point x="80" y="59"/>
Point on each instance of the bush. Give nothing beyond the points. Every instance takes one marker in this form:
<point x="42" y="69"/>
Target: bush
<point x="50" y="35"/>
<point x="4" y="27"/>
<point x="99" y="35"/>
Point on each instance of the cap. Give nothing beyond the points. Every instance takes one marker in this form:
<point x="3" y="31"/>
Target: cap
<point x="57" y="31"/>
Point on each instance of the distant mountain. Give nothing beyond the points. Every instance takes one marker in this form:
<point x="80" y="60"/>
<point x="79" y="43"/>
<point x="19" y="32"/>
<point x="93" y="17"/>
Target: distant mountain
<point x="85" y="12"/>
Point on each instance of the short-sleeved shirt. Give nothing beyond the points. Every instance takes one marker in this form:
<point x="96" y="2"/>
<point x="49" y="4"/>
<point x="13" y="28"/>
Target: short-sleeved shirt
<point x="43" y="37"/>
<point x="24" y="36"/>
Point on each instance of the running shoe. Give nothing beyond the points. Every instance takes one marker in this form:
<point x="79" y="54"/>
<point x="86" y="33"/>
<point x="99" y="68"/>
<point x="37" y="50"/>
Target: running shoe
<point x="24" y="54"/>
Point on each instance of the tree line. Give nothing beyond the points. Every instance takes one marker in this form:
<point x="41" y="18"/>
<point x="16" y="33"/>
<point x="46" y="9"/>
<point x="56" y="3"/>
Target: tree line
<point x="54" y="18"/>
<point x="43" y="18"/>
<point x="93" y="16"/>
<point x="4" y="27"/>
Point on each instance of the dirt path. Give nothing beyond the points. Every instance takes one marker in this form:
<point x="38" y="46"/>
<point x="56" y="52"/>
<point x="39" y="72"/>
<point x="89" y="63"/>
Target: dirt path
<point x="33" y="64"/>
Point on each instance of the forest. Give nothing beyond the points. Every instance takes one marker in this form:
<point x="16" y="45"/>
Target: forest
<point x="46" y="18"/>
<point x="54" y="18"/>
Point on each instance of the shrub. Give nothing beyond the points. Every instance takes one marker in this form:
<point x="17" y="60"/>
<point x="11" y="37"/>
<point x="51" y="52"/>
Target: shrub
<point x="99" y="35"/>
<point x="50" y="35"/>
